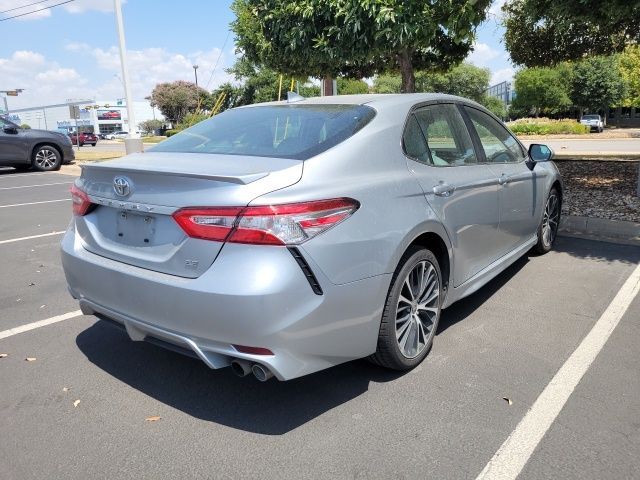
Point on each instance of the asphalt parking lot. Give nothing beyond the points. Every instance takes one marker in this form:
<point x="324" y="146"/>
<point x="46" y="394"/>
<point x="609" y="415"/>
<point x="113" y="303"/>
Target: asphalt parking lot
<point x="445" y="419"/>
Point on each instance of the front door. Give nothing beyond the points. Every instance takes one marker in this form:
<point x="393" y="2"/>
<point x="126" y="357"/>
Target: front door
<point x="11" y="143"/>
<point x="521" y="189"/>
<point x="462" y="192"/>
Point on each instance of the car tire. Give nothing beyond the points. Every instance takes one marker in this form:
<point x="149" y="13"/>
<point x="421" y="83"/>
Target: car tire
<point x="548" y="228"/>
<point x="93" y="144"/>
<point x="416" y="279"/>
<point x="46" y="158"/>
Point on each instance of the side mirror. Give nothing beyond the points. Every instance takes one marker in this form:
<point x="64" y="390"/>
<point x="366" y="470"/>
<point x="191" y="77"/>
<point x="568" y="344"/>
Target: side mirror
<point x="10" y="130"/>
<point x="540" y="153"/>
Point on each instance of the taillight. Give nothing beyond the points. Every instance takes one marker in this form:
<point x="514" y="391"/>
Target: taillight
<point x="288" y="224"/>
<point x="80" y="201"/>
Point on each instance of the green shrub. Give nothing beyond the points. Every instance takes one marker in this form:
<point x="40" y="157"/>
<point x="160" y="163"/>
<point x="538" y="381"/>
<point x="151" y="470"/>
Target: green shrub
<point x="546" y="126"/>
<point x="171" y="132"/>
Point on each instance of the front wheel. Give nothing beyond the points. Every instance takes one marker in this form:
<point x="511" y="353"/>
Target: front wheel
<point x="548" y="228"/>
<point x="412" y="311"/>
<point x="46" y="158"/>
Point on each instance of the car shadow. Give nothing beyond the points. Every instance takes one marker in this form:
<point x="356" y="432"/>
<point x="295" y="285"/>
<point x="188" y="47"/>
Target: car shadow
<point x="184" y="383"/>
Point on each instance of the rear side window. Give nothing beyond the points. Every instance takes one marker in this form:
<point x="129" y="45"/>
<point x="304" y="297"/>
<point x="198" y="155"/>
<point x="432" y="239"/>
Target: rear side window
<point x="498" y="144"/>
<point x="447" y="136"/>
<point x="284" y="131"/>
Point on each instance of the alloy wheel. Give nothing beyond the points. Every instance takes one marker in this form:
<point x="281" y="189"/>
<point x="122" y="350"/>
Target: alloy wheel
<point x="418" y="309"/>
<point x="550" y="220"/>
<point x="46" y="158"/>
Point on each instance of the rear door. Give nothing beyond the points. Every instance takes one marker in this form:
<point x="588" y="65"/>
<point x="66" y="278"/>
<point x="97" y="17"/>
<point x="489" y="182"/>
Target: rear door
<point x="521" y="189"/>
<point x="462" y="192"/>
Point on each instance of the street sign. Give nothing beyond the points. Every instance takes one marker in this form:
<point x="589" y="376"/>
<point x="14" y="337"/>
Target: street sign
<point x="12" y="93"/>
<point x="74" y="112"/>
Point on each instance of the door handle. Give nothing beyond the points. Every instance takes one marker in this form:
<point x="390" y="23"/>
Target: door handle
<point x="443" y="189"/>
<point x="504" y="179"/>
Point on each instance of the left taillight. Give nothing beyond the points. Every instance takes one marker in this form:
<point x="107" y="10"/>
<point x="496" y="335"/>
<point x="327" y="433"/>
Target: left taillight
<point x="287" y="224"/>
<point x="80" y="200"/>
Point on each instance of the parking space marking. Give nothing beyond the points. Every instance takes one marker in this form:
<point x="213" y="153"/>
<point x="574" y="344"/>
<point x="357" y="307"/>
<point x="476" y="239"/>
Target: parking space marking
<point x="40" y="323"/>
<point x="11" y="240"/>
<point x="30" y="174"/>
<point x="35" y="203"/>
<point x="31" y="186"/>
<point x="512" y="456"/>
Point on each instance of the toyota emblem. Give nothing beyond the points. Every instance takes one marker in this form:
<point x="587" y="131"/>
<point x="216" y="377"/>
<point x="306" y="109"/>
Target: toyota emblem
<point x="121" y="186"/>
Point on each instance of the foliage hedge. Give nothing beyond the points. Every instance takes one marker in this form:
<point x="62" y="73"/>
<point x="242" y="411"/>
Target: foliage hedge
<point x="546" y="126"/>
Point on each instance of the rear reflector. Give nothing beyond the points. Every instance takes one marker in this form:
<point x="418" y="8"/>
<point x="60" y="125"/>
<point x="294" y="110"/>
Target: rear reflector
<point x="253" y="350"/>
<point x="288" y="224"/>
<point x="80" y="201"/>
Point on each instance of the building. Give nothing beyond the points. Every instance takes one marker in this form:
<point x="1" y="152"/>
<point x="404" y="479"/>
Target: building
<point x="503" y="91"/>
<point x="97" y="116"/>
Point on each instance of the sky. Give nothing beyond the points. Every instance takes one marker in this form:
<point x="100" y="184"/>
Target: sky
<point x="71" y="51"/>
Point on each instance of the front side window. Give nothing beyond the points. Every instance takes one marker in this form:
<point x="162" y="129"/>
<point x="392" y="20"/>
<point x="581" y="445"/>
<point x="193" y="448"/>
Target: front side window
<point x="498" y="144"/>
<point x="447" y="136"/>
<point x="285" y="131"/>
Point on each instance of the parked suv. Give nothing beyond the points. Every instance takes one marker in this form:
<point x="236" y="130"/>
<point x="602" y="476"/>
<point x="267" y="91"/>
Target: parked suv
<point x="594" y="122"/>
<point x="86" y="138"/>
<point x="25" y="148"/>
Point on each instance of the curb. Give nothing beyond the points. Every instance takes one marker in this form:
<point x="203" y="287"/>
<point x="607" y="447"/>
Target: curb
<point x="614" y="231"/>
<point x="597" y="156"/>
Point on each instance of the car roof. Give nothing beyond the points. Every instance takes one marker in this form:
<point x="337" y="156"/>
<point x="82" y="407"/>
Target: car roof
<point x="373" y="99"/>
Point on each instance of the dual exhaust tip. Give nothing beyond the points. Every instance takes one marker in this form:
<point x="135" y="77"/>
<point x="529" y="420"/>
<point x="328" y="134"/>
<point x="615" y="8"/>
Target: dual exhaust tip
<point x="242" y="368"/>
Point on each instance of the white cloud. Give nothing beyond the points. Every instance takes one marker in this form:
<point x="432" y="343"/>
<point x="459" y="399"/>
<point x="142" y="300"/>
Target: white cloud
<point x="502" y="75"/>
<point x="496" y="8"/>
<point x="94" y="73"/>
<point x="482" y="54"/>
<point x="80" y="6"/>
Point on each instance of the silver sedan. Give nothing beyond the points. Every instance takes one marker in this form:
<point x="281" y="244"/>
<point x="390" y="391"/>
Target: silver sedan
<point x="285" y="238"/>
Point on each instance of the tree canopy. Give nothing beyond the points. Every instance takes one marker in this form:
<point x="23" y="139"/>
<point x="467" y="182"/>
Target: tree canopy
<point x="540" y="91"/>
<point x="546" y="32"/>
<point x="597" y="84"/>
<point x="357" y="39"/>
<point x="176" y="99"/>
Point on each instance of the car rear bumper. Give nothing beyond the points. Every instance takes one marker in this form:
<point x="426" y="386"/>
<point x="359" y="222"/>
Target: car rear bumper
<point x="251" y="296"/>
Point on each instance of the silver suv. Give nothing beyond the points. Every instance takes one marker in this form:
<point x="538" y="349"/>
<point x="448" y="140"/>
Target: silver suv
<point x="594" y="122"/>
<point x="285" y="238"/>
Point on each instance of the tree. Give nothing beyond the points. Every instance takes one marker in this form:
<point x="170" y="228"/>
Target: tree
<point x="597" y="84"/>
<point x="465" y="80"/>
<point x="545" y="32"/>
<point x="494" y="105"/>
<point x="25" y="126"/>
<point x="357" y="39"/>
<point x="540" y="91"/>
<point x="629" y="66"/>
<point x="348" y="86"/>
<point x="176" y="99"/>
<point x="150" y="126"/>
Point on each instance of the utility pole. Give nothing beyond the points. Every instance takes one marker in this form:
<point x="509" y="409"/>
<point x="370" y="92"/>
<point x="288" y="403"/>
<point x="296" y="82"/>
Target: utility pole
<point x="195" y="72"/>
<point x="133" y="143"/>
<point x="9" y="93"/>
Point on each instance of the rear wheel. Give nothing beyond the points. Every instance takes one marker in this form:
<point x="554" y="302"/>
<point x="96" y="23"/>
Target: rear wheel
<point x="46" y="158"/>
<point x="412" y="311"/>
<point x="548" y="228"/>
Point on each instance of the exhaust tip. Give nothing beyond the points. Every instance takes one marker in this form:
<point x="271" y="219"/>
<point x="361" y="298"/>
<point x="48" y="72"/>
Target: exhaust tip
<point x="241" y="368"/>
<point x="261" y="373"/>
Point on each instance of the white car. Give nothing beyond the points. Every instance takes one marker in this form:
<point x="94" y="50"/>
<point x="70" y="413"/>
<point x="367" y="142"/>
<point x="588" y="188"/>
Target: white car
<point x="594" y="122"/>
<point x="114" y="135"/>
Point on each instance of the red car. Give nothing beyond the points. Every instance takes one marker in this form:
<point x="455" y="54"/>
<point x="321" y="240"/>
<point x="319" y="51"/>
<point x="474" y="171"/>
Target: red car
<point x="85" y="138"/>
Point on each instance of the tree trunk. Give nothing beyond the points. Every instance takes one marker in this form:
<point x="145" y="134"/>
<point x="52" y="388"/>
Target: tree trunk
<point x="406" y="70"/>
<point x="327" y="86"/>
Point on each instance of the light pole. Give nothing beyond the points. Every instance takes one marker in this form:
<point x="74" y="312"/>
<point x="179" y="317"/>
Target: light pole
<point x="195" y="72"/>
<point x="133" y="143"/>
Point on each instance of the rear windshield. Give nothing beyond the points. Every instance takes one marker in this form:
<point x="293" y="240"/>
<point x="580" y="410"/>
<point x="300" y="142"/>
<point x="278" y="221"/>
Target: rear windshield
<point x="591" y="117"/>
<point x="285" y="131"/>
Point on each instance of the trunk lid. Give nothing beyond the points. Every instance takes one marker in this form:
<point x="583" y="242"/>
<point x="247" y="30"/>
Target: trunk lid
<point x="135" y="226"/>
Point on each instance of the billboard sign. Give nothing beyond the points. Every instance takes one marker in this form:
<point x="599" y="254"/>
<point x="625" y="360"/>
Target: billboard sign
<point x="109" y="115"/>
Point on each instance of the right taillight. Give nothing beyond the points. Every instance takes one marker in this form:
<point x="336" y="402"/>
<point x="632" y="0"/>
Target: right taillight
<point x="287" y="224"/>
<point x="80" y="200"/>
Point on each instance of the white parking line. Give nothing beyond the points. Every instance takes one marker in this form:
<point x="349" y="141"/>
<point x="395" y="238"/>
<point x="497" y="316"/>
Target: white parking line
<point x="11" y="240"/>
<point x="514" y="453"/>
<point x="40" y="323"/>
<point x="35" y="203"/>
<point x="31" y="186"/>
<point x="7" y="176"/>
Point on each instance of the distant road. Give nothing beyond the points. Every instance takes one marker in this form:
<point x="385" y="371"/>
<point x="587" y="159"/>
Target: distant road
<point x="591" y="147"/>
